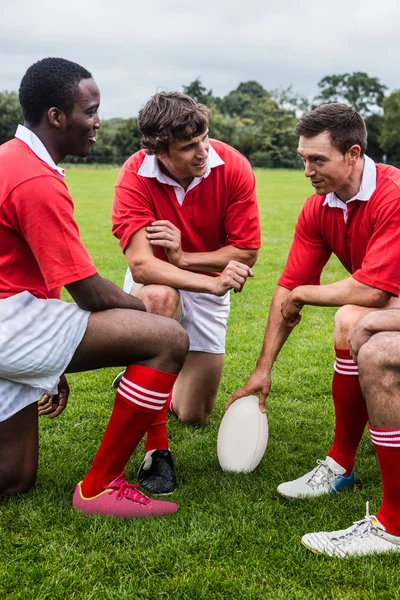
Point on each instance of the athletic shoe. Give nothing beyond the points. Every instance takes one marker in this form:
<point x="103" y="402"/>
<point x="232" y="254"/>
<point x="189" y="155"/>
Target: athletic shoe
<point x="121" y="499"/>
<point x="327" y="478"/>
<point x="364" y="537"/>
<point x="117" y="380"/>
<point x="156" y="473"/>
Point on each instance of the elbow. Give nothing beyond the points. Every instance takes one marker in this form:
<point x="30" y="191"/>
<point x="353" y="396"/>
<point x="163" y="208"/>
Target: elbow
<point x="380" y="298"/>
<point x="250" y="257"/>
<point x="140" y="271"/>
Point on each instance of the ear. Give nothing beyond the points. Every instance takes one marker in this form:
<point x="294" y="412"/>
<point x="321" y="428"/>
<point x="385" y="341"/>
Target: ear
<point x="353" y="154"/>
<point x="56" y="117"/>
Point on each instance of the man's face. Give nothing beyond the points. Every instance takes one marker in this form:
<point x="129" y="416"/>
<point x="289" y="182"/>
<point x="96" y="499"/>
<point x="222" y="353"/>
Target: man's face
<point x="327" y="168"/>
<point x="187" y="159"/>
<point x="84" y="121"/>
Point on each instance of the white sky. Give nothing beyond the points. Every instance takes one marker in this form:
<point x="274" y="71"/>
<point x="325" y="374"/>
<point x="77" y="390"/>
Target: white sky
<point x="134" y="47"/>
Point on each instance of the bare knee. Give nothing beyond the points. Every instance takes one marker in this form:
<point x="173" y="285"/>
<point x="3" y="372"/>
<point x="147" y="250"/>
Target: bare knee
<point x="174" y="344"/>
<point x="12" y="483"/>
<point x="160" y="300"/>
<point x="196" y="415"/>
<point x="346" y="318"/>
<point x="377" y="355"/>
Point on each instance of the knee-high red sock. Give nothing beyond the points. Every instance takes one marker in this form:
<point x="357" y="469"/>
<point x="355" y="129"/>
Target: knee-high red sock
<point x="387" y="446"/>
<point x="140" y="397"/>
<point x="157" y="437"/>
<point x="350" y="410"/>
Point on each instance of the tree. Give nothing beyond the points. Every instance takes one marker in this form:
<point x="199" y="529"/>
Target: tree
<point x="10" y="115"/>
<point x="252" y="89"/>
<point x="365" y="94"/>
<point x="390" y="131"/>
<point x="127" y="139"/>
<point x="198" y="92"/>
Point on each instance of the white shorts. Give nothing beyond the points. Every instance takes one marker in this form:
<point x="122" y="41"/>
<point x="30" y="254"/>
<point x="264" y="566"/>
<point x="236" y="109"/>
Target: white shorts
<point x="204" y="316"/>
<point x="38" y="339"/>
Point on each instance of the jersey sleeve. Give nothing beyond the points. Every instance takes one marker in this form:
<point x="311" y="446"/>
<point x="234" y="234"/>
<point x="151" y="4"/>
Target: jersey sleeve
<point x="308" y="254"/>
<point x="380" y="267"/>
<point x="242" y="219"/>
<point x="132" y="208"/>
<point x="43" y="211"/>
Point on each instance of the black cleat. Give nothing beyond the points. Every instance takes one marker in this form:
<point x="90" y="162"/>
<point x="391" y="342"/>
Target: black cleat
<point x="117" y="380"/>
<point x="156" y="473"/>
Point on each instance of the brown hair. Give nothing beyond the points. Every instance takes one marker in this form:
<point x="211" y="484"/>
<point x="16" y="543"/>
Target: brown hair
<point x="169" y="116"/>
<point x="345" y="125"/>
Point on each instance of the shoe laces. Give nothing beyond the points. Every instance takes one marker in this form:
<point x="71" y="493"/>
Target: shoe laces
<point x="131" y="492"/>
<point x="322" y="475"/>
<point x="360" y="529"/>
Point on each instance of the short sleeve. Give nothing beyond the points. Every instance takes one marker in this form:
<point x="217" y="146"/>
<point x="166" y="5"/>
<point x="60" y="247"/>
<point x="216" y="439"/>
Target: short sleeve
<point x="308" y="254"/>
<point x="242" y="219"/>
<point x="43" y="212"/>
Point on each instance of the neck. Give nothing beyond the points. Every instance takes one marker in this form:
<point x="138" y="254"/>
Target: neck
<point x="185" y="182"/>
<point x="48" y="141"/>
<point x="349" y="189"/>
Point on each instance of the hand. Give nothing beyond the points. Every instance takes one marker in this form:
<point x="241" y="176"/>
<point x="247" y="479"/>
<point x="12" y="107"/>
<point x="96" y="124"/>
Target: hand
<point x="290" y="310"/>
<point x="54" y="405"/>
<point x="259" y="382"/>
<point x="166" y="235"/>
<point x="234" y="277"/>
<point x="359" y="336"/>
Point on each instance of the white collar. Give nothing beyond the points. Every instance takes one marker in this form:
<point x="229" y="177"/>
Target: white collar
<point x="150" y="168"/>
<point x="367" y="187"/>
<point x="31" y="139"/>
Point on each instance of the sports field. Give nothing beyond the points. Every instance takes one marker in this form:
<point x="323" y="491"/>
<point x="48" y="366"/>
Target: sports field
<point x="233" y="537"/>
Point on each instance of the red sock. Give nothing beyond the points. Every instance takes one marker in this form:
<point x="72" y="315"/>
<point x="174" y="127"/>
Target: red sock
<point x="387" y="446"/>
<point x="142" y="393"/>
<point x="157" y="437"/>
<point x="350" y="410"/>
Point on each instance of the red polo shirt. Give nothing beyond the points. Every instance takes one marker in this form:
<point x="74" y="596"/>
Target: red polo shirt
<point x="367" y="244"/>
<point x="40" y="247"/>
<point x="220" y="211"/>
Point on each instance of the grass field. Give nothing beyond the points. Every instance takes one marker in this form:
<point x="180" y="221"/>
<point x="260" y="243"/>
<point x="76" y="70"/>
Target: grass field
<point x="233" y="537"/>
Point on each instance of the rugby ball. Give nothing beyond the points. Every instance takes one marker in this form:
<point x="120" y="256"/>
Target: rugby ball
<point x="242" y="436"/>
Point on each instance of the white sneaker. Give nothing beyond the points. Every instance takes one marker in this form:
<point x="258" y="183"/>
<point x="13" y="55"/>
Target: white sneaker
<point x="364" y="537"/>
<point x="327" y="478"/>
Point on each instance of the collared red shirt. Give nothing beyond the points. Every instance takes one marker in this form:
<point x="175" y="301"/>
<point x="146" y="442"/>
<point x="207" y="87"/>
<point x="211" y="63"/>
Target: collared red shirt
<point x="37" y="146"/>
<point x="366" y="241"/>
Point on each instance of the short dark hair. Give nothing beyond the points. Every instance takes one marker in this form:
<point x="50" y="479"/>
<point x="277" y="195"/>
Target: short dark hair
<point x="50" y="82"/>
<point x="170" y="116"/>
<point x="345" y="125"/>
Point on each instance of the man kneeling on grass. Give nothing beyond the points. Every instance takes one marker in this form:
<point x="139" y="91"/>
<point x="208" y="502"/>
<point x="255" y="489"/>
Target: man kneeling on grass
<point x="41" y="337"/>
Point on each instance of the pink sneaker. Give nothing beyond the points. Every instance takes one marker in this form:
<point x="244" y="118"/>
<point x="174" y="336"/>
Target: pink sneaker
<point x="122" y="499"/>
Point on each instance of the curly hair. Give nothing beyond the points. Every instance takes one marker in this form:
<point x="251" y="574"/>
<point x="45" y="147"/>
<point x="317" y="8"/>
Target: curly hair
<point x="169" y="116"/>
<point x="50" y="82"/>
<point x="345" y="125"/>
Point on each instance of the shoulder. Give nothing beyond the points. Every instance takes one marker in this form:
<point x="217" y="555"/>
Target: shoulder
<point x="229" y="155"/>
<point x="131" y="167"/>
<point x="387" y="178"/>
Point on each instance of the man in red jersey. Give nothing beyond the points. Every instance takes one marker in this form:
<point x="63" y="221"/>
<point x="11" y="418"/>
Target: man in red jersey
<point x="41" y="337"/>
<point x="355" y="214"/>
<point x="186" y="215"/>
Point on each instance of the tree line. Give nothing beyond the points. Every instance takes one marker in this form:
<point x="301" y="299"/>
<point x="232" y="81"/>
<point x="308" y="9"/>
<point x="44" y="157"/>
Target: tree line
<point x="257" y="122"/>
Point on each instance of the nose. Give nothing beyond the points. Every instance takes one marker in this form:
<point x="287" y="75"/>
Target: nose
<point x="203" y="149"/>
<point x="308" y="169"/>
<point x="97" y="123"/>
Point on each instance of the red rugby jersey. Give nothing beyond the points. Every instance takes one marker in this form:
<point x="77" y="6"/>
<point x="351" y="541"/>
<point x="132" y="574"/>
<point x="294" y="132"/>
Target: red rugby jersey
<point x="367" y="244"/>
<point x="40" y="246"/>
<point x="220" y="211"/>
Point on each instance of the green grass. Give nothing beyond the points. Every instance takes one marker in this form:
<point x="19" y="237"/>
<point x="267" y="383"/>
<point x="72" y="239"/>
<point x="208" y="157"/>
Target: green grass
<point x="233" y="537"/>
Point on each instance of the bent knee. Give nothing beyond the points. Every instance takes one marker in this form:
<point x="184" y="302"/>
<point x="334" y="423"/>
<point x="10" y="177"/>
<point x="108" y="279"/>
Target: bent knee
<point x="379" y="353"/>
<point x="160" y="300"/>
<point x="193" y="416"/>
<point x="346" y="318"/>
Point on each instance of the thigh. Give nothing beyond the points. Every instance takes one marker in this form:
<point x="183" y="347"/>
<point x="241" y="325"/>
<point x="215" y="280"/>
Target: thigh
<point x="19" y="451"/>
<point x="197" y="386"/>
<point x="121" y="337"/>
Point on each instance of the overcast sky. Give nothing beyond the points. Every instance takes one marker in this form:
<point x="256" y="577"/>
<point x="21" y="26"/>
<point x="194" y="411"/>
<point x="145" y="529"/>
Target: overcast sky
<point x="134" y="47"/>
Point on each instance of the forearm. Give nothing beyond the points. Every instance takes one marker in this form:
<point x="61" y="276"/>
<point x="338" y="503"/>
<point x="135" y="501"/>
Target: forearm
<point x="346" y="291"/>
<point x="276" y="332"/>
<point x="96" y="294"/>
<point x="218" y="259"/>
<point x="151" y="270"/>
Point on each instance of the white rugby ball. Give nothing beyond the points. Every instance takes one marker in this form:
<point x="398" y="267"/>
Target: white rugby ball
<point x="242" y="436"/>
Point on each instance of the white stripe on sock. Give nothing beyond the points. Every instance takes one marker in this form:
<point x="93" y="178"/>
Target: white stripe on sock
<point x="134" y="394"/>
<point x="134" y="401"/>
<point x="142" y="389"/>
